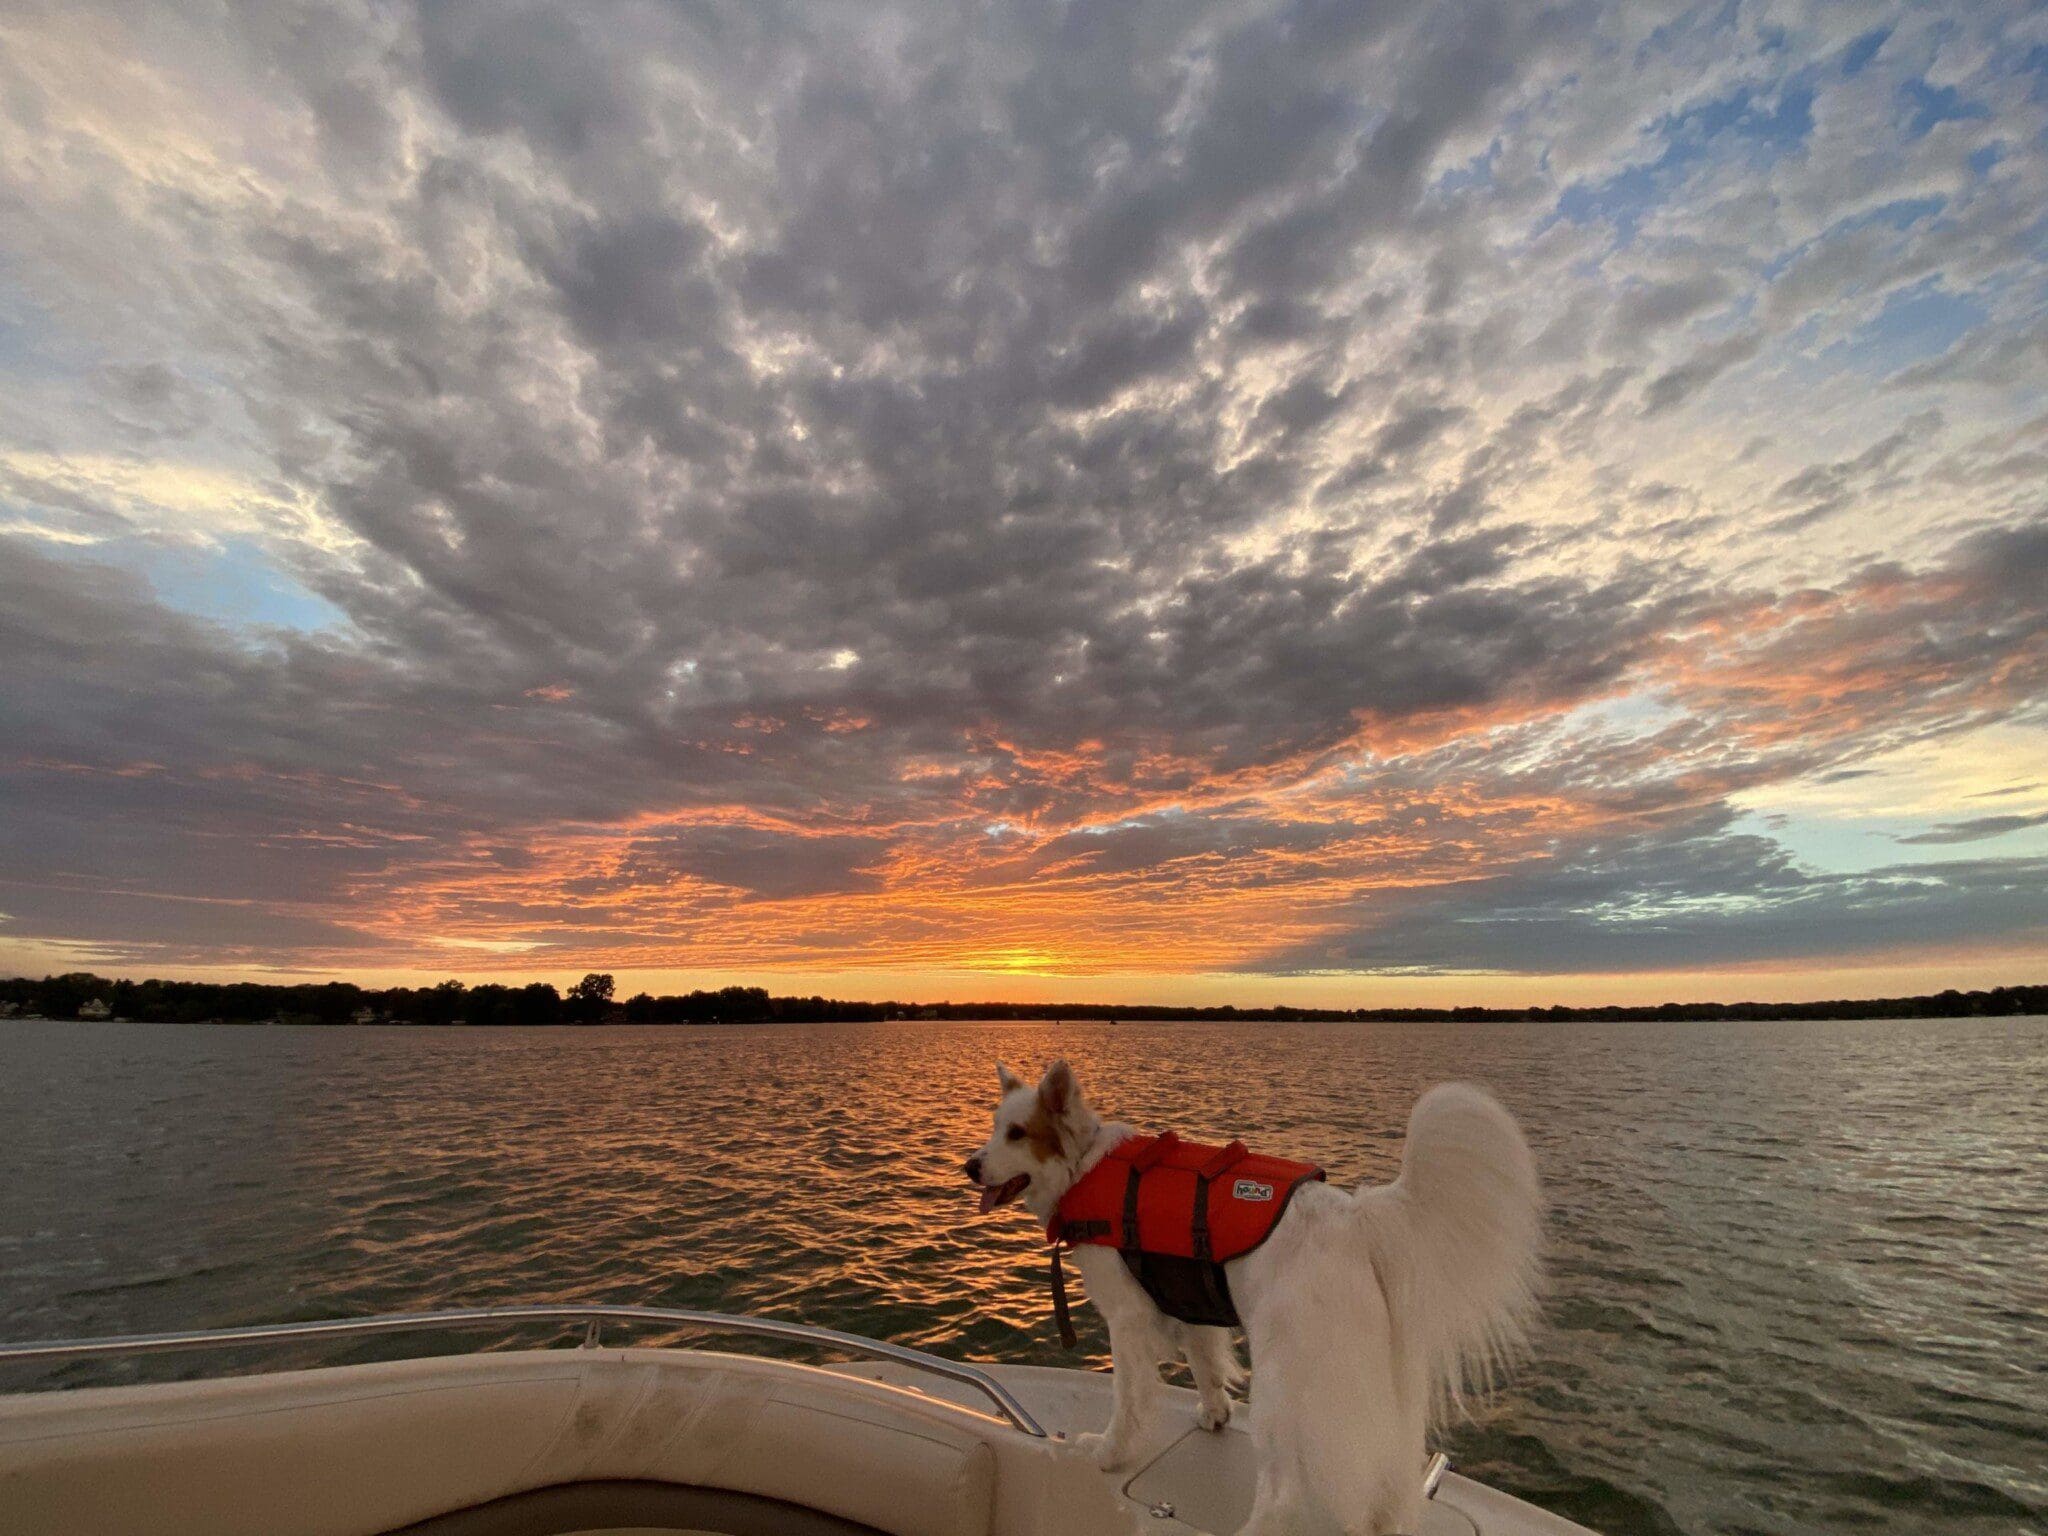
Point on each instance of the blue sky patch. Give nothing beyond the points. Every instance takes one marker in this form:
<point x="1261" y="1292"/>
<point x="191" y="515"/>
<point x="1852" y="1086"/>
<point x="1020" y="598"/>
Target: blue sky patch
<point x="1860" y="52"/>
<point x="1919" y="323"/>
<point x="232" y="583"/>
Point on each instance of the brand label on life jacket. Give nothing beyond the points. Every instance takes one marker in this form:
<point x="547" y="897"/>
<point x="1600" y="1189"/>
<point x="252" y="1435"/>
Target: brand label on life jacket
<point x="1251" y="1189"/>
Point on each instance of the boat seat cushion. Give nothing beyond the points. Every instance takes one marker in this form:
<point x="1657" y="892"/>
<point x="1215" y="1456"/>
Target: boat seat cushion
<point x="364" y="1450"/>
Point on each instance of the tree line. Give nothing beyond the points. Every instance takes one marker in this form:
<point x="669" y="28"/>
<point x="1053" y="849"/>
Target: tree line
<point x="592" y="1001"/>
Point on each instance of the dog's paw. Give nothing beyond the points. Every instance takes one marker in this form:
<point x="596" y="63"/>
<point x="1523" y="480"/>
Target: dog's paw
<point x="1213" y="1416"/>
<point x="1107" y="1454"/>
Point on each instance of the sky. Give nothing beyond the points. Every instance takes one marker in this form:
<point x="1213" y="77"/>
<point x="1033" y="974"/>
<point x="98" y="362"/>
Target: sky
<point x="1297" y="501"/>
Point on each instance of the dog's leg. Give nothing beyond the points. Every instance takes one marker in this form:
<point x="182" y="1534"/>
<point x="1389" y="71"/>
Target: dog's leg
<point x="1339" y="1419"/>
<point x="1276" y="1497"/>
<point x="1138" y="1342"/>
<point x="1212" y="1356"/>
<point x="1135" y="1350"/>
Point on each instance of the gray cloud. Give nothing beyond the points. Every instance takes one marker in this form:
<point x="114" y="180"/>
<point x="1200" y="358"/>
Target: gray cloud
<point x="1677" y="385"/>
<point x="1977" y="828"/>
<point x="1657" y="305"/>
<point x="760" y="861"/>
<point x="1695" y="897"/>
<point x="1830" y="488"/>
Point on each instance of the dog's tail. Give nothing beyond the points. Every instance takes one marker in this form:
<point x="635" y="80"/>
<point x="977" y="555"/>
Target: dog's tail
<point x="1457" y="1242"/>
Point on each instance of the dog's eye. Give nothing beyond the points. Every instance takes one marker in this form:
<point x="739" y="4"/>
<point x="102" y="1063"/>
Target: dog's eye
<point x="1015" y="1133"/>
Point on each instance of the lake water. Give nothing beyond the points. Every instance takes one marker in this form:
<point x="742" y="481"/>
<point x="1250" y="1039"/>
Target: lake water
<point x="1801" y="1270"/>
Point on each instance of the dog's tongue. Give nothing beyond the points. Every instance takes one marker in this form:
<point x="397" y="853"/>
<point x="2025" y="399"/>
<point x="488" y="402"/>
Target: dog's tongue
<point x="993" y="1195"/>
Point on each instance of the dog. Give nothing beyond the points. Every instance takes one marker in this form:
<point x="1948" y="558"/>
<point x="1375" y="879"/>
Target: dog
<point x="1368" y="1312"/>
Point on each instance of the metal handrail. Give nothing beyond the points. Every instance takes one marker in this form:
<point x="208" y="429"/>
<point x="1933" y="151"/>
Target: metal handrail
<point x="590" y="1316"/>
<point x="1433" y="1474"/>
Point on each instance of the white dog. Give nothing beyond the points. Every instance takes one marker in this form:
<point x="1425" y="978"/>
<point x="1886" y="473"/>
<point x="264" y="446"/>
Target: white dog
<point x="1366" y="1311"/>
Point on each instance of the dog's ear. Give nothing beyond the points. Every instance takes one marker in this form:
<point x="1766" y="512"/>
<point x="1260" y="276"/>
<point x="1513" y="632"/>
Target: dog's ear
<point x="1058" y="1091"/>
<point x="1010" y="1080"/>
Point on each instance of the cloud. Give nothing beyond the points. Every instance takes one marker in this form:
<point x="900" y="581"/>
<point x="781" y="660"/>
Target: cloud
<point x="1828" y="488"/>
<point x="1702" y="897"/>
<point x="1653" y="306"/>
<point x="727" y="462"/>
<point x="1677" y="385"/>
<point x="1978" y="828"/>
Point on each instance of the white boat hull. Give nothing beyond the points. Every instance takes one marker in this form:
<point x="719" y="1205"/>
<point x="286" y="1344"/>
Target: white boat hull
<point x="373" y="1449"/>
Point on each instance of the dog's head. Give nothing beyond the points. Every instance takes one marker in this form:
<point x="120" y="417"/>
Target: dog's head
<point x="1040" y="1133"/>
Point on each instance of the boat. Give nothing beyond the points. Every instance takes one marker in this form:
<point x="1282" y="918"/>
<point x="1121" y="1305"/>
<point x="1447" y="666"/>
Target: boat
<point x="610" y="1437"/>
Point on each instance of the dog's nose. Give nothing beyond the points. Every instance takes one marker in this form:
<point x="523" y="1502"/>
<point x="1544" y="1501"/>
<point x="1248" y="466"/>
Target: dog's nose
<point x="972" y="1168"/>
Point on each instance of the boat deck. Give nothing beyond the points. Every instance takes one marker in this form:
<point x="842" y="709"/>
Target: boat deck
<point x="1195" y="1480"/>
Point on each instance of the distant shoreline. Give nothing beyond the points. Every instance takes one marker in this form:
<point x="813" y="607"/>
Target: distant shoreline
<point x="84" y="996"/>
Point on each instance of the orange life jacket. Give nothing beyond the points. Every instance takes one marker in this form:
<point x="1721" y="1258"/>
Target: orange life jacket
<point x="1177" y="1212"/>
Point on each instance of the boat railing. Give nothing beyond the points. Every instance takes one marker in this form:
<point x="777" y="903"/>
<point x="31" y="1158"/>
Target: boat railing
<point x="591" y="1318"/>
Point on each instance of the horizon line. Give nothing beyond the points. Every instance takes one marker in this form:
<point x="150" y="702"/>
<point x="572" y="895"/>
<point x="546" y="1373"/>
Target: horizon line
<point x="2032" y="995"/>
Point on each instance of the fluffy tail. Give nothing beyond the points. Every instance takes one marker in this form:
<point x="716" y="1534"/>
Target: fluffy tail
<point x="1457" y="1243"/>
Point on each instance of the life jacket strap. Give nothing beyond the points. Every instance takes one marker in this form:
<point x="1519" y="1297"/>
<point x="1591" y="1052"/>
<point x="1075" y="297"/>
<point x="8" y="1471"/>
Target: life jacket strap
<point x="1060" y="1312"/>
